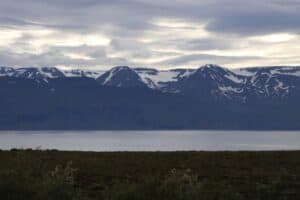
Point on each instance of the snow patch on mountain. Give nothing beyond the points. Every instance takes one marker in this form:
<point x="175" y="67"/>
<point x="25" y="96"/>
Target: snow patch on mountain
<point x="6" y="71"/>
<point x="122" y="76"/>
<point x="226" y="89"/>
<point x="235" y="78"/>
<point x="160" y="78"/>
<point x="83" y="73"/>
<point x="287" y="71"/>
<point x="110" y="75"/>
<point x="243" y="72"/>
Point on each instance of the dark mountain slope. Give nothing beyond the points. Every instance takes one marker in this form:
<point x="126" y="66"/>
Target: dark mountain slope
<point x="77" y="103"/>
<point x="210" y="97"/>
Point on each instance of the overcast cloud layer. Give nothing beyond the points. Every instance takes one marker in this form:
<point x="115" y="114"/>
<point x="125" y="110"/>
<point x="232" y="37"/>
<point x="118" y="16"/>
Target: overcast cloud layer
<point x="98" y="34"/>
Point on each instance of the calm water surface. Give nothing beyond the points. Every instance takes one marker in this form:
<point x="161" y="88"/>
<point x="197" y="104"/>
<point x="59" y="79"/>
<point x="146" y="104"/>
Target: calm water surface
<point x="151" y="140"/>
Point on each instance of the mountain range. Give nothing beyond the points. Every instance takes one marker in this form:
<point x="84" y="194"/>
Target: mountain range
<point x="209" y="97"/>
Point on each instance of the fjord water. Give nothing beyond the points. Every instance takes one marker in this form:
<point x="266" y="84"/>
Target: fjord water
<point x="151" y="140"/>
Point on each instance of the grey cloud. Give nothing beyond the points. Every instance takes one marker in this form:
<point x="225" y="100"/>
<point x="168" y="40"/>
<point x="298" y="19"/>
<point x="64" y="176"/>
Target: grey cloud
<point x="123" y="21"/>
<point x="233" y="16"/>
<point x="92" y="51"/>
<point x="204" y="44"/>
<point x="256" y="20"/>
<point x="131" y="47"/>
<point x="57" y="57"/>
<point x="205" y="58"/>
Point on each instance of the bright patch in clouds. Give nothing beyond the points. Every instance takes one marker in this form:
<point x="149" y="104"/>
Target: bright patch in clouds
<point x="8" y="37"/>
<point x="78" y="56"/>
<point x="273" y="38"/>
<point x="178" y="28"/>
<point x="71" y="40"/>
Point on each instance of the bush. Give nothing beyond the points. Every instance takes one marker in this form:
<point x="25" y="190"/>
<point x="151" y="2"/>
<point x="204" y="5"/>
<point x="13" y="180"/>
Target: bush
<point x="59" y="184"/>
<point x="24" y="183"/>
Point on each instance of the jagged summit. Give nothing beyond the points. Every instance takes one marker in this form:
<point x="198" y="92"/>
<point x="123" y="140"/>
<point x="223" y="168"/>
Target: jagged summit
<point x="210" y="66"/>
<point x="121" y="76"/>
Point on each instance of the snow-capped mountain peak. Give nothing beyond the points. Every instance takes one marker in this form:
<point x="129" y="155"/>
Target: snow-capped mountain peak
<point x="38" y="74"/>
<point x="121" y="76"/>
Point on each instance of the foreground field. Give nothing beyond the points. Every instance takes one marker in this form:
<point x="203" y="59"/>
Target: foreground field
<point x="27" y="174"/>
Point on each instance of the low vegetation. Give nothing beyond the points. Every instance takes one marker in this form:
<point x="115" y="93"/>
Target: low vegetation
<point x="47" y="175"/>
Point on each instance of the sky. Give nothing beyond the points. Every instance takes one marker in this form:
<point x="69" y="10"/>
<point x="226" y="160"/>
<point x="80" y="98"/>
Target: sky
<point x="99" y="34"/>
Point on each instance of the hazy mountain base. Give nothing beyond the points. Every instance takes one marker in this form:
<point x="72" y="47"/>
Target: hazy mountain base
<point x="180" y="175"/>
<point x="81" y="103"/>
